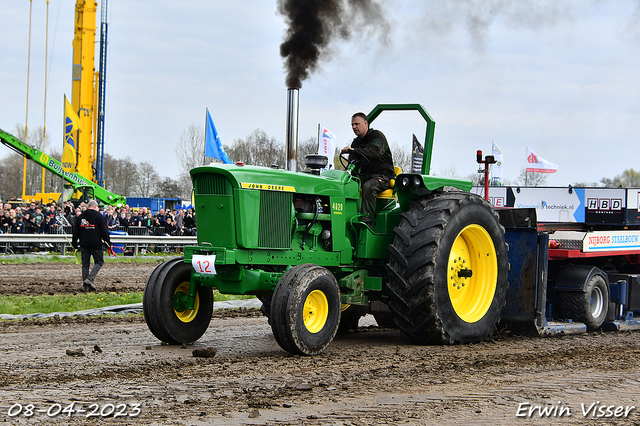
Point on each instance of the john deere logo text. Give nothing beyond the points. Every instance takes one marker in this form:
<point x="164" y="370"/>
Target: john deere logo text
<point x="267" y="187"/>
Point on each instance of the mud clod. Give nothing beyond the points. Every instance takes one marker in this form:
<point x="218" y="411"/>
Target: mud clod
<point x="204" y="352"/>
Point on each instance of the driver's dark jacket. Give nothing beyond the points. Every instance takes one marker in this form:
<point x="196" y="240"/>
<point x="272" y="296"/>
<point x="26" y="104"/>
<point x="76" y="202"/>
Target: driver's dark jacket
<point x="374" y="146"/>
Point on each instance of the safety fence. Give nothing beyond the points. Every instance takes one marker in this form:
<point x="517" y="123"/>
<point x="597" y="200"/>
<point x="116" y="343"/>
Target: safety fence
<point x="123" y="244"/>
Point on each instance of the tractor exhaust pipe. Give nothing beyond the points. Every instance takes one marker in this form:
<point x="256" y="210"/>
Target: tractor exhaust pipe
<point x="293" y="111"/>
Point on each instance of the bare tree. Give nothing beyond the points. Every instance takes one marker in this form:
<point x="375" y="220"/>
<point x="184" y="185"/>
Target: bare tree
<point x="36" y="139"/>
<point x="401" y="157"/>
<point x="167" y="188"/>
<point x="121" y="175"/>
<point x="186" y="186"/>
<point x="447" y="171"/>
<point x="11" y="176"/>
<point x="13" y="167"/>
<point x="476" y="178"/>
<point x="531" y="178"/>
<point x="258" y="150"/>
<point x="190" y="148"/>
<point x="53" y="182"/>
<point x="147" y="181"/>
<point x="306" y="147"/>
<point x="627" y="179"/>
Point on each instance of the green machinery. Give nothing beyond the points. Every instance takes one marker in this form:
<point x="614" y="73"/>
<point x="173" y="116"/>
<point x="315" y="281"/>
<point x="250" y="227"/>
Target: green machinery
<point x="434" y="262"/>
<point x="74" y="183"/>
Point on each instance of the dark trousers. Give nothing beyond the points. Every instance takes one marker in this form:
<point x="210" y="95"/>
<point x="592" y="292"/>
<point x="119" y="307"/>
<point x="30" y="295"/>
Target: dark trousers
<point x="370" y="190"/>
<point x="98" y="261"/>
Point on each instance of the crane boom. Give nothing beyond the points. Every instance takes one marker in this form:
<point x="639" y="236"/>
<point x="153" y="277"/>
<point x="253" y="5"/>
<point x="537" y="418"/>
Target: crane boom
<point x="75" y="181"/>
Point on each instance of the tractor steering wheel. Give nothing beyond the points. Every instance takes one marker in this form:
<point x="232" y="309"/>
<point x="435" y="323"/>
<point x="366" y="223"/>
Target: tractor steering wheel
<point x="359" y="161"/>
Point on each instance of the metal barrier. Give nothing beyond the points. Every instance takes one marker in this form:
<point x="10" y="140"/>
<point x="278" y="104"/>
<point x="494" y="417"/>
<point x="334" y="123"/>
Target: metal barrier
<point x="62" y="242"/>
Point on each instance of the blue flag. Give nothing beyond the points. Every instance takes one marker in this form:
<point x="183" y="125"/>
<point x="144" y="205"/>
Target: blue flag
<point x="213" y="147"/>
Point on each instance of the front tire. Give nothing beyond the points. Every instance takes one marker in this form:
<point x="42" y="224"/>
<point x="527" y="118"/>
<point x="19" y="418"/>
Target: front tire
<point x="164" y="313"/>
<point x="448" y="270"/>
<point x="305" y="309"/>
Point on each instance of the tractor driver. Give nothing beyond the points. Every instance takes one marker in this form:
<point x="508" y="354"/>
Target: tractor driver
<point x="376" y="168"/>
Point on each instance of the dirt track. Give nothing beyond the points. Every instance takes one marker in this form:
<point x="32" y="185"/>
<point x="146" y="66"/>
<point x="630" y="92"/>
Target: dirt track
<point x="366" y="377"/>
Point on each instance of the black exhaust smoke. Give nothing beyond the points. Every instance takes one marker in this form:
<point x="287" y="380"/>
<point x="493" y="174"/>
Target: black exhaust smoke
<point x="312" y="26"/>
<point x="314" y="23"/>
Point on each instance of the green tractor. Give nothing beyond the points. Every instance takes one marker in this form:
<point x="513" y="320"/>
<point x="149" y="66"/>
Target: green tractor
<point x="433" y="263"/>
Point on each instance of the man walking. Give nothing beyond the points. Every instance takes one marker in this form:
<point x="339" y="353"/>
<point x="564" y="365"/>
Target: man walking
<point x="89" y="231"/>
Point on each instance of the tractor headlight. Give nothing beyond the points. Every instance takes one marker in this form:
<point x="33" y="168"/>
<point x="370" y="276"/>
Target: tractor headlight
<point x="405" y="181"/>
<point x="417" y="181"/>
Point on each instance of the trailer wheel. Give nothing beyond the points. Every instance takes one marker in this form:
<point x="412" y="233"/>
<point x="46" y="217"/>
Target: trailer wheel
<point x="305" y="309"/>
<point x="164" y="313"/>
<point x="448" y="270"/>
<point x="590" y="306"/>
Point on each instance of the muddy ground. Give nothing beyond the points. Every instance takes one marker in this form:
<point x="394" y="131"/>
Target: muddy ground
<point x="51" y="370"/>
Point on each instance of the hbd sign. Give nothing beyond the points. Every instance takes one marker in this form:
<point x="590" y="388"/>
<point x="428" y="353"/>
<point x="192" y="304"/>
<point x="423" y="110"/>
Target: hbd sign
<point x="606" y="204"/>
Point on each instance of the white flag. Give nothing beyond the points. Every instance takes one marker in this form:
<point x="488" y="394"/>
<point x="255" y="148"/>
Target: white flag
<point x="327" y="146"/>
<point x="496" y="169"/>
<point x="537" y="164"/>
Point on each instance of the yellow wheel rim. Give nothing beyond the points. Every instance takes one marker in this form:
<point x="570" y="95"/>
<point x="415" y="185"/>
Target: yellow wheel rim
<point x="472" y="273"/>
<point x="316" y="311"/>
<point x="187" y="315"/>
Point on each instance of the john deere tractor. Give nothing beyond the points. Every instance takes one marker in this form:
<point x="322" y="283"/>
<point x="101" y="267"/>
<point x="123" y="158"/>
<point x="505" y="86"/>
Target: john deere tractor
<point x="433" y="263"/>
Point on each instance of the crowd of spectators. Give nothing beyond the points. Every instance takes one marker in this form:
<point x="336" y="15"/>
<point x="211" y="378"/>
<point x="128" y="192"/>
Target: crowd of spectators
<point x="35" y="218"/>
<point x="143" y="221"/>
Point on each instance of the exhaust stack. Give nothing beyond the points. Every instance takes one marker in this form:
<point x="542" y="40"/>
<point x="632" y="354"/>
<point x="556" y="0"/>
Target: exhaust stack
<point x="293" y="111"/>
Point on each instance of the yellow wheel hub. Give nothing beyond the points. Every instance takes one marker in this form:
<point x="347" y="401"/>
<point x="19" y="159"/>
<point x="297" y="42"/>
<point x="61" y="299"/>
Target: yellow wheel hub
<point x="186" y="315"/>
<point x="316" y="311"/>
<point x="472" y="273"/>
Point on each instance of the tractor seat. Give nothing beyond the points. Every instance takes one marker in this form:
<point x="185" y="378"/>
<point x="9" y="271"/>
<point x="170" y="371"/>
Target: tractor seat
<point x="389" y="193"/>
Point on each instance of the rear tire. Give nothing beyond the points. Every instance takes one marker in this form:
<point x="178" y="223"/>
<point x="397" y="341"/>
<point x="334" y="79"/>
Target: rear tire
<point x="448" y="270"/>
<point x="305" y="309"/>
<point x="165" y="318"/>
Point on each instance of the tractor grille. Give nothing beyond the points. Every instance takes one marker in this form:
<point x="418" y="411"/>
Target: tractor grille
<point x="211" y="184"/>
<point x="275" y="219"/>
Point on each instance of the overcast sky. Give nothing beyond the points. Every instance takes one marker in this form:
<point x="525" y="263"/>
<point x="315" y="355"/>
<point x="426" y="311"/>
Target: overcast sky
<point x="561" y="77"/>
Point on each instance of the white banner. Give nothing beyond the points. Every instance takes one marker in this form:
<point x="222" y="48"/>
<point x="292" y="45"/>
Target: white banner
<point x="495" y="178"/>
<point x="537" y="164"/>
<point x="327" y="146"/>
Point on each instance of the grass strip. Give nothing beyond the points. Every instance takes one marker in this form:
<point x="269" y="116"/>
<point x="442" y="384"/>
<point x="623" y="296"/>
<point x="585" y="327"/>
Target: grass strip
<point x="46" y="304"/>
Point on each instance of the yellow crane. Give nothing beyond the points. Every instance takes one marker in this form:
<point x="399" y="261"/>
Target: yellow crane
<point x="84" y="97"/>
<point x="87" y="102"/>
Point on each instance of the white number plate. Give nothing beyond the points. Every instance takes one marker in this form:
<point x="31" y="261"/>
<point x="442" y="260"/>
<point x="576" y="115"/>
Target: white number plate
<point x="204" y="264"/>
